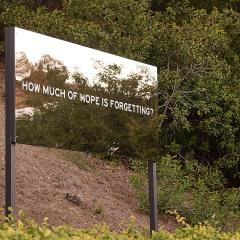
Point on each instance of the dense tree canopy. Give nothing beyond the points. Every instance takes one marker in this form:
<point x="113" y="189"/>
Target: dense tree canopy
<point x="194" y="44"/>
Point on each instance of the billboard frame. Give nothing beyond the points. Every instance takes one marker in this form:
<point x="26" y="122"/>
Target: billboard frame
<point x="10" y="139"/>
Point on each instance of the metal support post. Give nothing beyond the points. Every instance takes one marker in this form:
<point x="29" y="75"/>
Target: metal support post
<point x="10" y="124"/>
<point x="152" y="178"/>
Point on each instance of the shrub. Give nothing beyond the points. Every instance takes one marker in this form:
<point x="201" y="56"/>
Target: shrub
<point x="25" y="229"/>
<point x="193" y="190"/>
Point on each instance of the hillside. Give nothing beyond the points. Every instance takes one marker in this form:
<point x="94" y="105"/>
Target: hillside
<point x="49" y="184"/>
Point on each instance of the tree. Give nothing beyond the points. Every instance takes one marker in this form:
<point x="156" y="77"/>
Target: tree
<point x="198" y="98"/>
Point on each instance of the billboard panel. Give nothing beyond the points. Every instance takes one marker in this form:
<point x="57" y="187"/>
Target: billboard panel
<point x="72" y="97"/>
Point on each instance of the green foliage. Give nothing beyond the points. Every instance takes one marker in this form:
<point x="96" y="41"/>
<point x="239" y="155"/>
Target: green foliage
<point x="199" y="232"/>
<point x="209" y="5"/>
<point x="103" y="25"/>
<point x="53" y="23"/>
<point x="191" y="191"/>
<point x="199" y="105"/>
<point x="128" y="23"/>
<point x="25" y="229"/>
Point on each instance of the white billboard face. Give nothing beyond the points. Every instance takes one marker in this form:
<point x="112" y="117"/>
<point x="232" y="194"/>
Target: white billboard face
<point x="73" y="97"/>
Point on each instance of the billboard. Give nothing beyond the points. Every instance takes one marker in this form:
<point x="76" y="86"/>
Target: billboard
<point x="72" y="97"/>
<point x="67" y="96"/>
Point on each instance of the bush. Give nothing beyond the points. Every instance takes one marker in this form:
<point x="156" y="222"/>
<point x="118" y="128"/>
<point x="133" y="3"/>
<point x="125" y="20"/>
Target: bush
<point x="193" y="190"/>
<point x="199" y="232"/>
<point x="25" y="229"/>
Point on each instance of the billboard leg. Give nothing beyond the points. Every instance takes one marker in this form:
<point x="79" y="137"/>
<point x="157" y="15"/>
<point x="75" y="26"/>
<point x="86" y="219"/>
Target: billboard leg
<point x="10" y="177"/>
<point x="152" y="178"/>
<point x="10" y="123"/>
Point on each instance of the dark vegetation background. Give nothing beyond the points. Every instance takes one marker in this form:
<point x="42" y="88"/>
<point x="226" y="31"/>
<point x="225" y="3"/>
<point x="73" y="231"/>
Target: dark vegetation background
<point x="195" y="45"/>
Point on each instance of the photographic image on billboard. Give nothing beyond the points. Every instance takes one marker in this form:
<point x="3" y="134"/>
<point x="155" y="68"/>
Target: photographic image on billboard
<point x="72" y="97"/>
